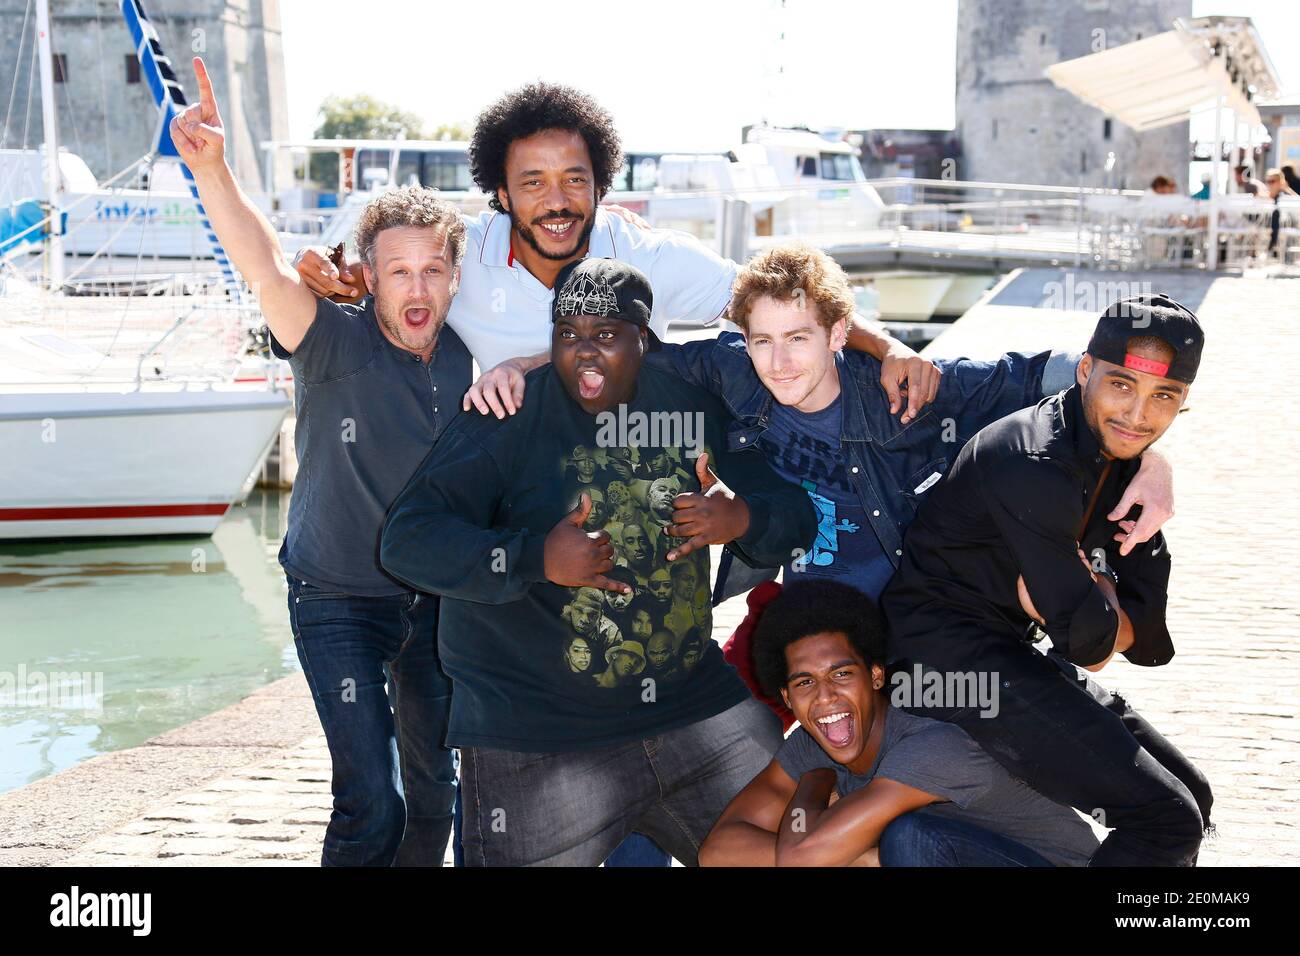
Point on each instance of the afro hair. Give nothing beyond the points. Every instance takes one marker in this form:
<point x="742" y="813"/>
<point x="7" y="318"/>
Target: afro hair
<point x="533" y="109"/>
<point x="808" y="607"/>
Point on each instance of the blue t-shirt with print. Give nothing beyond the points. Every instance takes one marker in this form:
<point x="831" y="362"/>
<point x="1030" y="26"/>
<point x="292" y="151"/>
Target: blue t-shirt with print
<point x="805" y="448"/>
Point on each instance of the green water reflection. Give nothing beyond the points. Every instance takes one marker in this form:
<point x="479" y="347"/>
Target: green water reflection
<point x="149" y="633"/>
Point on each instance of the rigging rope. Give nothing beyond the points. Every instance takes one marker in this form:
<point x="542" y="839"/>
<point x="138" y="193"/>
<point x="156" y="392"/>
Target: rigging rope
<point x="31" y="86"/>
<point x="18" y="66"/>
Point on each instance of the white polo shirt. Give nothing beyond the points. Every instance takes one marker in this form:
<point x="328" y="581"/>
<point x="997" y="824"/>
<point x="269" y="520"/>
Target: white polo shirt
<point x="502" y="311"/>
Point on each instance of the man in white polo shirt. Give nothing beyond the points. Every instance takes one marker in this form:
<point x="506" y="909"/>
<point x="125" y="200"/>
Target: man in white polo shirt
<point x="501" y="296"/>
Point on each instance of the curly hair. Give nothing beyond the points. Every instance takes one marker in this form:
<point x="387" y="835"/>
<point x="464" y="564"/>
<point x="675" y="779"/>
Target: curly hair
<point x="535" y="108"/>
<point x="793" y="272"/>
<point x="815" y="606"/>
<point x="409" y="206"/>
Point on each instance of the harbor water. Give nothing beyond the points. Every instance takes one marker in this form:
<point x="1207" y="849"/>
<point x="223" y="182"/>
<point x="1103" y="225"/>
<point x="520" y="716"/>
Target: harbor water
<point x="107" y="643"/>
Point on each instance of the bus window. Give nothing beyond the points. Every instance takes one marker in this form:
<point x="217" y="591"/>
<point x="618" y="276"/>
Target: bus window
<point x="448" y="171"/>
<point x="372" y="167"/>
<point x="408" y="168"/>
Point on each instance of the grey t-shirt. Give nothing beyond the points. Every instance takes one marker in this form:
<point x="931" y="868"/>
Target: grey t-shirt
<point x="368" y="413"/>
<point x="942" y="760"/>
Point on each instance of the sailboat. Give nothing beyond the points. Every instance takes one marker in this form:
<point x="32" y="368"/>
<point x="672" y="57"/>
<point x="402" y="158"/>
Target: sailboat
<point x="120" y="415"/>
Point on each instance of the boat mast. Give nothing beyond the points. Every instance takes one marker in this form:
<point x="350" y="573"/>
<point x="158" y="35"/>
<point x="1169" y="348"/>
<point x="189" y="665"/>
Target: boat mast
<point x="49" y="116"/>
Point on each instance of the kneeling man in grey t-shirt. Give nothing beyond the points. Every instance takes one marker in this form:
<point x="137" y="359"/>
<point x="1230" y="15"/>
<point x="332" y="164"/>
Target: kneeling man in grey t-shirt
<point x="863" y="783"/>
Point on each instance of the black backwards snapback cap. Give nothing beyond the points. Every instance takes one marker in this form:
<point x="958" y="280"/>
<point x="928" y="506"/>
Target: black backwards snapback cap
<point x="1150" y="314"/>
<point x="596" y="286"/>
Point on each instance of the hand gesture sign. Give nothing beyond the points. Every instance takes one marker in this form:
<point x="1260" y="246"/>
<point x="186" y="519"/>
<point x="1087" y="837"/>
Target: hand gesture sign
<point x="578" y="559"/>
<point x="197" y="131"/>
<point x="714" y="515"/>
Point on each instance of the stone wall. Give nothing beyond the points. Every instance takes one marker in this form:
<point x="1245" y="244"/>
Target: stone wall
<point x="110" y="121"/>
<point x="1016" y="126"/>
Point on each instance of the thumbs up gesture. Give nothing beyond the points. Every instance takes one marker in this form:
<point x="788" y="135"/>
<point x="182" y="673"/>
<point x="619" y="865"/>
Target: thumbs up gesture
<point x="197" y="131"/>
<point x="713" y="515"/>
<point x="575" y="558"/>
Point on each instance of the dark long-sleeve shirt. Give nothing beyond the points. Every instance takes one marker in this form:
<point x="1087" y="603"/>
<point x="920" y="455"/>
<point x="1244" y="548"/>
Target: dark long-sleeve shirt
<point x="542" y="668"/>
<point x="1014" y="503"/>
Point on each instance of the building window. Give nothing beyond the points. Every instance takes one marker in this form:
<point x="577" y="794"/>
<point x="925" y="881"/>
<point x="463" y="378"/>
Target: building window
<point x="1083" y="160"/>
<point x="132" y="69"/>
<point x="60" y="68"/>
<point x="995" y="129"/>
<point x="1105" y="129"/>
<point x="1042" y="39"/>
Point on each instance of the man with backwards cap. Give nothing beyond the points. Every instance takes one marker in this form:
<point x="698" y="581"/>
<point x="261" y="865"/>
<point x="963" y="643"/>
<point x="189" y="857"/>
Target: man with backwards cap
<point x="558" y="768"/>
<point x="1015" y="540"/>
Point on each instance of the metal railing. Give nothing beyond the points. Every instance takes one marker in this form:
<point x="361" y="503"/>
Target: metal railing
<point x="1082" y="226"/>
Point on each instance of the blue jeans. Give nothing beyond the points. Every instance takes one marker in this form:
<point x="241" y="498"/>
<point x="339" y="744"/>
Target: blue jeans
<point x="638" y="850"/>
<point x="921" y="838"/>
<point x="575" y="808"/>
<point x="393" y="780"/>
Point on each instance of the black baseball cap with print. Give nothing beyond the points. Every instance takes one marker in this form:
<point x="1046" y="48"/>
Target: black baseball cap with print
<point x="1150" y="314"/>
<point x="596" y="286"/>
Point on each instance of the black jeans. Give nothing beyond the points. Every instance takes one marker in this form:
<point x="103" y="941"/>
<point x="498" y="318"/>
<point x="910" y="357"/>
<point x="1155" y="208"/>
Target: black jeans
<point x="1081" y="745"/>
<point x="394" y="782"/>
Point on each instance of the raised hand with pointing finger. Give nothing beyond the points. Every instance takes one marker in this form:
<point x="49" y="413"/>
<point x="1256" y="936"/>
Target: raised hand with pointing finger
<point x="713" y="515"/>
<point x="197" y="131"/>
<point x="576" y="558"/>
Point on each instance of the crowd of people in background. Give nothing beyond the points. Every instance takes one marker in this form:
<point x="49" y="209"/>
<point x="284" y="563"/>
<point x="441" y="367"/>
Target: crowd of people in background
<point x="1278" y="184"/>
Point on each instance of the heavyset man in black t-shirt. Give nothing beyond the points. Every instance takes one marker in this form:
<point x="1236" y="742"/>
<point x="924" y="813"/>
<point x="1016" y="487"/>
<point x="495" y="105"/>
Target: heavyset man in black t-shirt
<point x="575" y="731"/>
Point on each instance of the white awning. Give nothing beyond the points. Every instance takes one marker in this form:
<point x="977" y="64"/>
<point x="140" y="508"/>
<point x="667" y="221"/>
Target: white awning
<point x="1162" y="79"/>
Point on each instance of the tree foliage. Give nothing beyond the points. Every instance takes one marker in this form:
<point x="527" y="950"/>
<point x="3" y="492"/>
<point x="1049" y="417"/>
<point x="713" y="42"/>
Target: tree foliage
<point x="358" y="117"/>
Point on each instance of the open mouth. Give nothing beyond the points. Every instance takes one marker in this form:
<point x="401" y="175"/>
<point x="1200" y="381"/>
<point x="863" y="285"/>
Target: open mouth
<point x="591" y="382"/>
<point x="416" y="318"/>
<point x="836" y="728"/>
<point x="559" y="230"/>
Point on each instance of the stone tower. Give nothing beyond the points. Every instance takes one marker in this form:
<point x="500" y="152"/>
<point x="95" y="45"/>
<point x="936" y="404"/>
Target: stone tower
<point x="1015" y="126"/>
<point x="106" y="113"/>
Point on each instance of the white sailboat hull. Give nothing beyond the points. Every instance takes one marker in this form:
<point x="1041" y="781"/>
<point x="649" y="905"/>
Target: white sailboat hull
<point x="103" y="463"/>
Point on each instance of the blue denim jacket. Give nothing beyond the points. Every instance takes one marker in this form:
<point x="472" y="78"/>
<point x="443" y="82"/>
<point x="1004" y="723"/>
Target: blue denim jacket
<point x="891" y="465"/>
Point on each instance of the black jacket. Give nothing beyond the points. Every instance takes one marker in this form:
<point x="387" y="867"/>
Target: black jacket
<point x="1022" y="497"/>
